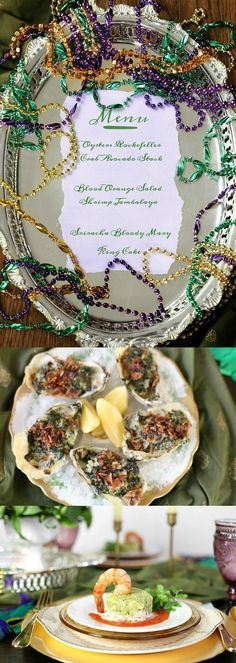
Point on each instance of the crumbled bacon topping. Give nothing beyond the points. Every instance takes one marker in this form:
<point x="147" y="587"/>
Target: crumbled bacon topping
<point x="110" y="473"/>
<point x="48" y="434"/>
<point x="152" y="429"/>
<point x="133" y="497"/>
<point x="69" y="377"/>
<point x="140" y="370"/>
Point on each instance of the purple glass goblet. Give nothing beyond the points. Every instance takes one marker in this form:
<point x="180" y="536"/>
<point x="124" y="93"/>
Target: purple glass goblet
<point x="225" y="553"/>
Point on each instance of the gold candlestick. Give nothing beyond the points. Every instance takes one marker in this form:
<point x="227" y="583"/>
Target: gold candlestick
<point x="117" y="523"/>
<point x="117" y="528"/>
<point x="171" y="519"/>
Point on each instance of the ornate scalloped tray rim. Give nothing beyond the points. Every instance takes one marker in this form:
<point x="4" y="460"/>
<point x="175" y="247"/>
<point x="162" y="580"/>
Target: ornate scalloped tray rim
<point x="210" y="294"/>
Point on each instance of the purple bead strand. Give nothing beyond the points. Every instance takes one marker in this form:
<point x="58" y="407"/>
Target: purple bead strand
<point x="209" y="206"/>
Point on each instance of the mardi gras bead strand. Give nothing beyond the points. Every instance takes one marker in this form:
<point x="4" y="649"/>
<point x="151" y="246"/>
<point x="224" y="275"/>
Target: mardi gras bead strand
<point x="45" y="231"/>
<point x="209" y="250"/>
<point x="97" y="291"/>
<point x="64" y="167"/>
<point x="198" y="267"/>
<point x="42" y="271"/>
<point x="198" y="16"/>
<point x="216" y="201"/>
<point x="194" y="276"/>
<point x="228" y="160"/>
<point x="28" y="295"/>
<point x="201" y="31"/>
<point x="22" y="34"/>
<point x="193" y="285"/>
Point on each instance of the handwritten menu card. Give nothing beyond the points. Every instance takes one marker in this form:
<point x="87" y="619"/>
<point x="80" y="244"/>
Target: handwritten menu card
<point x="122" y="197"/>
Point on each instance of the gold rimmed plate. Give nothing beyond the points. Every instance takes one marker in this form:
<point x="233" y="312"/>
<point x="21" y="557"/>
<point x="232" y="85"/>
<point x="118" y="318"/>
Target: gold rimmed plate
<point x="146" y="553"/>
<point x="55" y="639"/>
<point x="183" y="619"/>
<point x="159" y="475"/>
<point x="131" y="563"/>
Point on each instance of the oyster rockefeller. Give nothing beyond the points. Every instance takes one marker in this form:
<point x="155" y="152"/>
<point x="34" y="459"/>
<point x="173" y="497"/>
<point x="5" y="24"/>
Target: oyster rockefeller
<point x="138" y="367"/>
<point x="69" y="377"/>
<point x="92" y="425"/>
<point x="109" y="473"/>
<point x="46" y="445"/>
<point x="153" y="433"/>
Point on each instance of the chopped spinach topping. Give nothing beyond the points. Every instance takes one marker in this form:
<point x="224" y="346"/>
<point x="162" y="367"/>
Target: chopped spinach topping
<point x="68" y="377"/>
<point x="152" y="432"/>
<point x="140" y="371"/>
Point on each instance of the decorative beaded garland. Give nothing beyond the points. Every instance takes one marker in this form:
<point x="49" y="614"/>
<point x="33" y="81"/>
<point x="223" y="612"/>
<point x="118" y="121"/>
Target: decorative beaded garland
<point x="78" y="47"/>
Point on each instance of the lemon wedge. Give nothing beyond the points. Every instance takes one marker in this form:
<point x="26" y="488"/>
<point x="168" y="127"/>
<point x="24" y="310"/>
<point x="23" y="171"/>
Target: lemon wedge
<point x="111" y="420"/>
<point x="89" y="419"/>
<point x="119" y="398"/>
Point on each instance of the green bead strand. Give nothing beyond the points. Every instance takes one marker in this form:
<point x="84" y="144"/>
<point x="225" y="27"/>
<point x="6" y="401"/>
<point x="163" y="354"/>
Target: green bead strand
<point x="212" y="43"/>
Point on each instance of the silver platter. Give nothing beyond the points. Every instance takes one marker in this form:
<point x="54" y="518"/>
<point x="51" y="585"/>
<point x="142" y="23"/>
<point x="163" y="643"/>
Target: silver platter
<point x="32" y="569"/>
<point x="18" y="239"/>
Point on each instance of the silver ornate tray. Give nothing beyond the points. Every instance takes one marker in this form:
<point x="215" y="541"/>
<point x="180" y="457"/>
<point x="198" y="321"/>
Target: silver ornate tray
<point x="19" y="239"/>
<point x="26" y="568"/>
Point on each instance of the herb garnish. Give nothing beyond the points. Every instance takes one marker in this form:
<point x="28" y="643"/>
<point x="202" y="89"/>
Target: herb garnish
<point x="167" y="599"/>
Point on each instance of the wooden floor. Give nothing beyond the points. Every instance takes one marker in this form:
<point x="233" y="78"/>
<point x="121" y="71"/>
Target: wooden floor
<point x="177" y="10"/>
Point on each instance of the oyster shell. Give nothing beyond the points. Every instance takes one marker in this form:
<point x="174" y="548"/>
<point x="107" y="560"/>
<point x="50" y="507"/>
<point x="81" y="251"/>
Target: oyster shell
<point x="108" y="473"/>
<point x="155" y="432"/>
<point x="58" y="429"/>
<point x="66" y="378"/>
<point x="138" y="368"/>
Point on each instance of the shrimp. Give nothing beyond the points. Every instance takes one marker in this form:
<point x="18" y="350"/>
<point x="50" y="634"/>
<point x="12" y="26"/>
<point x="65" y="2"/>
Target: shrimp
<point x="130" y="537"/>
<point x="117" y="577"/>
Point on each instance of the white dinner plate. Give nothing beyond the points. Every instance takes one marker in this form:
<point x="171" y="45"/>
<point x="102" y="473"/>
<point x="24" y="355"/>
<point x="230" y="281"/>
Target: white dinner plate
<point x="79" y="610"/>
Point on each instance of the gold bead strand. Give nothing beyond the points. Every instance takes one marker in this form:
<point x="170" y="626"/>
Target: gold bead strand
<point x="45" y="231"/>
<point x="62" y="246"/>
<point x="58" y="170"/>
<point x="211" y="269"/>
<point x="15" y="44"/>
<point x="171" y="277"/>
<point x="55" y="9"/>
<point x="54" y="31"/>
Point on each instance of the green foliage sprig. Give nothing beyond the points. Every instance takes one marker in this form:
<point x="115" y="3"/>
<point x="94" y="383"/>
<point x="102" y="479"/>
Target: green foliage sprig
<point x="68" y="516"/>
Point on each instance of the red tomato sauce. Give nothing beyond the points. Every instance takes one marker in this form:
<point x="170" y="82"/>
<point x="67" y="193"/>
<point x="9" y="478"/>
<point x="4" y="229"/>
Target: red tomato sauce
<point x="156" y="618"/>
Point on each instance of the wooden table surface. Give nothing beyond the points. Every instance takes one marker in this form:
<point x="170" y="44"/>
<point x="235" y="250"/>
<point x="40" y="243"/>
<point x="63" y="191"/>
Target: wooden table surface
<point x="177" y="10"/>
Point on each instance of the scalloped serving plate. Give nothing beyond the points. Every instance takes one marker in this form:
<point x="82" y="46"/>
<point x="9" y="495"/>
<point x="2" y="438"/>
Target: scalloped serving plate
<point x="159" y="475"/>
<point x="111" y="327"/>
